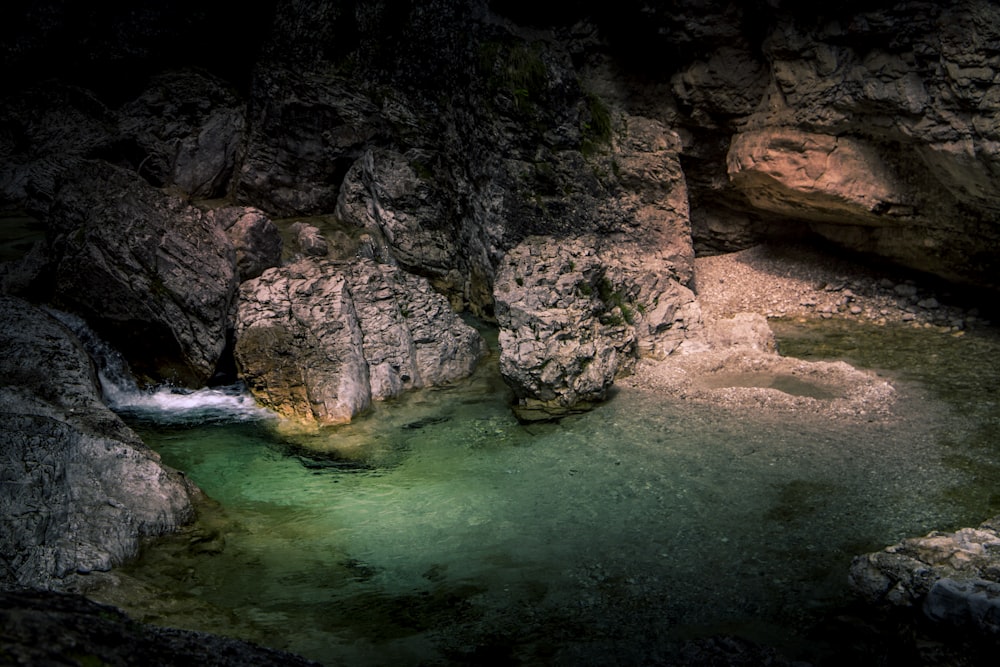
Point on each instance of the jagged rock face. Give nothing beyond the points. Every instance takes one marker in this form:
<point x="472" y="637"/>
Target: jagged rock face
<point x="155" y="276"/>
<point x="576" y="313"/>
<point x="878" y="129"/>
<point x="183" y="132"/>
<point x="255" y="238"/>
<point x="78" y="488"/>
<point x="318" y="340"/>
<point x="45" y="129"/>
<point x="308" y="126"/>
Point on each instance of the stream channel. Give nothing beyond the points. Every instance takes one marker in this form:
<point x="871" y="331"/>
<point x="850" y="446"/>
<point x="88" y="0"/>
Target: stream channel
<point x="439" y="530"/>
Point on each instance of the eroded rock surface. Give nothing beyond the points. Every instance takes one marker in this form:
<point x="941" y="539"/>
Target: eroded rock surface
<point x="78" y="488"/>
<point x="318" y="340"/>
<point x="575" y="314"/>
<point x="953" y="578"/>
<point x="255" y="238"/>
<point x="153" y="275"/>
<point x="184" y="132"/>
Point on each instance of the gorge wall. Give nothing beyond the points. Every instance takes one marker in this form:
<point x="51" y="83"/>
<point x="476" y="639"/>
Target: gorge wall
<point x="450" y="132"/>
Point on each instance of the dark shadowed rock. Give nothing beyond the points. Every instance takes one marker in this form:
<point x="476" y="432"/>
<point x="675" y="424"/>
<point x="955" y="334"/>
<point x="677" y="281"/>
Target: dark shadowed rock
<point x="184" y="131"/>
<point x="255" y="237"/>
<point x="307" y="128"/>
<point x="155" y="276"/>
<point x="78" y="489"/>
<point x="318" y="340"/>
<point x="49" y="628"/>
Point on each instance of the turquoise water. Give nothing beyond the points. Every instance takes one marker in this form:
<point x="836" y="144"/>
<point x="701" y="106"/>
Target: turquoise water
<point x="438" y="530"/>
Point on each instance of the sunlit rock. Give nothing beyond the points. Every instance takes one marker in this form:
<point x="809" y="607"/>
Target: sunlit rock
<point x="576" y="313"/>
<point x="815" y="177"/>
<point x="953" y="578"/>
<point x="78" y="488"/>
<point x="318" y="340"/>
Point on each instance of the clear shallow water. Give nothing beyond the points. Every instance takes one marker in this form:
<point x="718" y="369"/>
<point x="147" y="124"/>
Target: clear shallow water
<point x="440" y="531"/>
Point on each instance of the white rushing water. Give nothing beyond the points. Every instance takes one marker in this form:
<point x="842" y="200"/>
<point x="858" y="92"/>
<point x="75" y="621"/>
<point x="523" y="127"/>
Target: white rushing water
<point x="163" y="404"/>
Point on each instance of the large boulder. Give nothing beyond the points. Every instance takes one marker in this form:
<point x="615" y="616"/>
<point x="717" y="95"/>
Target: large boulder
<point x="78" y="488"/>
<point x="318" y="340"/>
<point x="184" y="132"/>
<point x="153" y="275"/>
<point x="952" y="578"/>
<point x="576" y="313"/>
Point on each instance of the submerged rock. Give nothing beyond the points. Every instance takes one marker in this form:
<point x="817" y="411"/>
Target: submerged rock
<point x="318" y="340"/>
<point x="78" y="488"/>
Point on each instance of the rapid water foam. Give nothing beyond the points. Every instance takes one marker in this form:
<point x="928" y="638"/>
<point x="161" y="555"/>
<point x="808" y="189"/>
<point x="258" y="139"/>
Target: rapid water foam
<point x="163" y="404"/>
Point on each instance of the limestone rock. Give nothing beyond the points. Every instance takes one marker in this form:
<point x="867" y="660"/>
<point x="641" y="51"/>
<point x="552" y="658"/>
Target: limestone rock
<point x="310" y="241"/>
<point x="78" y="488"/>
<point x="255" y="238"/>
<point x="815" y="177"/>
<point x="954" y="578"/>
<point x="48" y="129"/>
<point x="308" y="128"/>
<point x="153" y="275"/>
<point x="318" y="340"/>
<point x="184" y="131"/>
<point x="576" y="313"/>
<point x="393" y="195"/>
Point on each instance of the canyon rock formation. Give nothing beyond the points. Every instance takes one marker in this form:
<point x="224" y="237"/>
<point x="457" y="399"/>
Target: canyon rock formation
<point x="318" y="340"/>
<point x="551" y="169"/>
<point x="78" y="488"/>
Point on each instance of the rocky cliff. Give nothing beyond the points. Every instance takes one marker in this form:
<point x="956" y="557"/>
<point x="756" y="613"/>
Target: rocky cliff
<point x="451" y="131"/>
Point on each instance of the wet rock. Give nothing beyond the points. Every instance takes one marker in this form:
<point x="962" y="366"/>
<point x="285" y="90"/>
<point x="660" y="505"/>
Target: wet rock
<point x="78" y="488"/>
<point x="255" y="238"/>
<point x="44" y="627"/>
<point x="318" y="340"/>
<point x="183" y="132"/>
<point x="953" y="578"/>
<point x="576" y="313"/>
<point x="153" y="275"/>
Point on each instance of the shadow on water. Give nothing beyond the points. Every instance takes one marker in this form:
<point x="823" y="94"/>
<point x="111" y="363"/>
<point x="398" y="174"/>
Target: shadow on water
<point x="439" y="530"/>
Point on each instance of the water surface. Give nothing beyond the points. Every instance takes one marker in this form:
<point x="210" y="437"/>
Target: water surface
<point x="438" y="530"/>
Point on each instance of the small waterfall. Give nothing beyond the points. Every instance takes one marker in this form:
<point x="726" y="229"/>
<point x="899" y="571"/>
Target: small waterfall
<point x="165" y="403"/>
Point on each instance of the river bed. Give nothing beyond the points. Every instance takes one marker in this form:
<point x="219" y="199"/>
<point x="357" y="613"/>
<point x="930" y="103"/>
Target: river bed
<point x="439" y="530"/>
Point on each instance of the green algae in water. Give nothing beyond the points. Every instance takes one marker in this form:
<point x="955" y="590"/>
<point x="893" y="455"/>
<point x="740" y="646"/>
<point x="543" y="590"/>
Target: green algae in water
<point x="439" y="530"/>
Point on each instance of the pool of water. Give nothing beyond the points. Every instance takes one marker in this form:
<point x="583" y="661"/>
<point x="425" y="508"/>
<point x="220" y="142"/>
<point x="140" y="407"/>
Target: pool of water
<point x="439" y="530"/>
